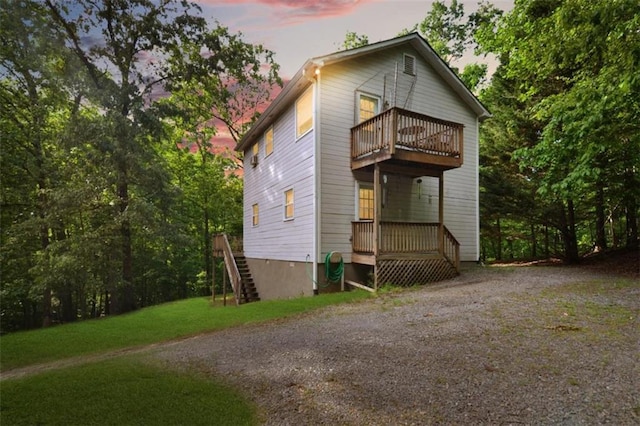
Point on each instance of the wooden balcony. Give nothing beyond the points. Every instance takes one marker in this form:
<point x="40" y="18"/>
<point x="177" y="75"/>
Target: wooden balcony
<point x="405" y="138"/>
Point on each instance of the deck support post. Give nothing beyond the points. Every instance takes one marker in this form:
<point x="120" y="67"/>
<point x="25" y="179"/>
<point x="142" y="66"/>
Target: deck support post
<point x="441" y="213"/>
<point x="213" y="269"/>
<point x="377" y="207"/>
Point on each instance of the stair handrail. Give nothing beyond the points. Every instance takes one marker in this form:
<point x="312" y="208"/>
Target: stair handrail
<point x="232" y="268"/>
<point x="451" y="248"/>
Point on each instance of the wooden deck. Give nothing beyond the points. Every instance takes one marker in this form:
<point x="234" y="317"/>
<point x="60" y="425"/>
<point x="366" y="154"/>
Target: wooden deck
<point x="407" y="252"/>
<point x="406" y="137"/>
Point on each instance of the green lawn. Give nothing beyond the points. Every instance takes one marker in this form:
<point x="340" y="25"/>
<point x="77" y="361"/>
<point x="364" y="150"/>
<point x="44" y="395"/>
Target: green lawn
<point x="121" y="391"/>
<point x="131" y="390"/>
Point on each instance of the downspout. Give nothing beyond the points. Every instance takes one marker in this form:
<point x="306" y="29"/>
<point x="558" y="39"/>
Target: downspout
<point x="318" y="181"/>
<point x="313" y="75"/>
<point x="477" y="173"/>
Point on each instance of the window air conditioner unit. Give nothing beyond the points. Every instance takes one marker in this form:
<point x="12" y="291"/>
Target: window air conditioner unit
<point x="254" y="161"/>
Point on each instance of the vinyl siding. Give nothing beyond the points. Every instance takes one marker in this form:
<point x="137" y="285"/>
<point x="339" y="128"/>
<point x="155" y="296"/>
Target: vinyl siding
<point x="428" y="95"/>
<point x="289" y="166"/>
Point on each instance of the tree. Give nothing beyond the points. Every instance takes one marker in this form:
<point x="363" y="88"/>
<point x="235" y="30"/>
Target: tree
<point x="451" y="34"/>
<point x="583" y="94"/>
<point x="353" y="40"/>
<point x="92" y="212"/>
<point x="146" y="48"/>
<point x="35" y="102"/>
<point x="204" y="97"/>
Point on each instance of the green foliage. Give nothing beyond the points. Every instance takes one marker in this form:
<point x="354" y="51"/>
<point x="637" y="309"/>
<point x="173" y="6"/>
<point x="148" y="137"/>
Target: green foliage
<point x="122" y="391"/>
<point x="446" y="29"/>
<point x="353" y="40"/>
<point x="101" y="211"/>
<point x="567" y="85"/>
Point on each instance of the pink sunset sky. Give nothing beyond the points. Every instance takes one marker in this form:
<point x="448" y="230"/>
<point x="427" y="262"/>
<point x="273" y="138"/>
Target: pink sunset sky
<point x="297" y="30"/>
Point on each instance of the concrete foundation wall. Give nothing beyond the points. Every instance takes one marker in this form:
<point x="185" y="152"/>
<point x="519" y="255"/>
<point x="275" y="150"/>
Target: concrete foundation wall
<point x="277" y="279"/>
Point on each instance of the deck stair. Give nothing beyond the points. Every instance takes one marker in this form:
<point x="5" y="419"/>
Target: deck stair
<point x="248" y="291"/>
<point x="236" y="268"/>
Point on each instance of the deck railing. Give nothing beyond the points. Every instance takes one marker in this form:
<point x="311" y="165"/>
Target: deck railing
<point x="403" y="129"/>
<point x="362" y="236"/>
<point x="451" y="248"/>
<point x="405" y="238"/>
<point x="222" y="245"/>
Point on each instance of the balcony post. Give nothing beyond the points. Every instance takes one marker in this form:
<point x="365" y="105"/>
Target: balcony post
<point x="394" y="131"/>
<point x="441" y="213"/>
<point x="377" y="198"/>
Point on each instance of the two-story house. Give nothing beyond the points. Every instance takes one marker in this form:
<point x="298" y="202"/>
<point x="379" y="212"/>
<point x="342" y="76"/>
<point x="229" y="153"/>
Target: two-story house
<point x="370" y="153"/>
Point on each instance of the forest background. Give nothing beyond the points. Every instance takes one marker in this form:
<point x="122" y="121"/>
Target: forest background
<point x="112" y="186"/>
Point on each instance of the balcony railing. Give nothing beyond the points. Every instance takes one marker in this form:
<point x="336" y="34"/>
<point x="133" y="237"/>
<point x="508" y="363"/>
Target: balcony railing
<point x="398" y="128"/>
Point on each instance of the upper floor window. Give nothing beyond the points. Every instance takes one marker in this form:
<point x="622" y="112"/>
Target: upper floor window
<point x="255" y="148"/>
<point x="304" y="113"/>
<point x="288" y="204"/>
<point x="368" y="106"/>
<point x="268" y="142"/>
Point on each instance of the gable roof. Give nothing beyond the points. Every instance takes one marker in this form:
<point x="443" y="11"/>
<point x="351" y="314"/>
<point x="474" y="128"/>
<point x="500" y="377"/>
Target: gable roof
<point x="303" y="78"/>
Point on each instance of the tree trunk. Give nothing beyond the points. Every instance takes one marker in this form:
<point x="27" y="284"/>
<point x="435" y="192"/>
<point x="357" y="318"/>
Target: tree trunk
<point x="207" y="248"/>
<point x="632" y="223"/>
<point x="126" y="293"/>
<point x="546" y="242"/>
<point x="499" y="251"/>
<point x="601" y="236"/>
<point x="534" y="242"/>
<point x="569" y="233"/>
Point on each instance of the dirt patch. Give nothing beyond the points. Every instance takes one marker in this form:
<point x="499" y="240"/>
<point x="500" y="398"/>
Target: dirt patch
<point x="517" y="345"/>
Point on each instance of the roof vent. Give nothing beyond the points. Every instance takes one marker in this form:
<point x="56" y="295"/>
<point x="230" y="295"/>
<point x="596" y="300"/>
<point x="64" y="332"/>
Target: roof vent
<point x="409" y="65"/>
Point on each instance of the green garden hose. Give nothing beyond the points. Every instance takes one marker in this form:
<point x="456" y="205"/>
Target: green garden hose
<point x="333" y="275"/>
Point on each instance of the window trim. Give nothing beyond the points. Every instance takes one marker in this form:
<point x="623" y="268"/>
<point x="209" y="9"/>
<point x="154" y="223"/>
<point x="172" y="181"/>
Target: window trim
<point x="309" y="93"/>
<point x="266" y="142"/>
<point x="359" y="96"/>
<point x="286" y="205"/>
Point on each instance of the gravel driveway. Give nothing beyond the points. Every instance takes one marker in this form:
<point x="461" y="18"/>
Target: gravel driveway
<point x="527" y="345"/>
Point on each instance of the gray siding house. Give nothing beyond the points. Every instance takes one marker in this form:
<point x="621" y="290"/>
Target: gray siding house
<point x="370" y="154"/>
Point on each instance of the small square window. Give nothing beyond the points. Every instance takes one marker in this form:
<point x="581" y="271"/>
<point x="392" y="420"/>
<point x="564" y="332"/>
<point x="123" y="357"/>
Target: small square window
<point x="288" y="204"/>
<point x="268" y="142"/>
<point x="255" y="214"/>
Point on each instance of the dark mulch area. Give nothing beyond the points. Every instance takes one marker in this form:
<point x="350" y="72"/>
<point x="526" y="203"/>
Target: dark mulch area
<point x="619" y="262"/>
<point x="623" y="262"/>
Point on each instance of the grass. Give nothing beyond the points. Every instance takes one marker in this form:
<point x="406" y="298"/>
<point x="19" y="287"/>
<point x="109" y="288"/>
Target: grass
<point x="121" y="391"/>
<point x="150" y="325"/>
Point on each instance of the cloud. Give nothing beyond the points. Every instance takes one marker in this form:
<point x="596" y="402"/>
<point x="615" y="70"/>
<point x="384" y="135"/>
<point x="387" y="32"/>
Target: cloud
<point x="294" y="11"/>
